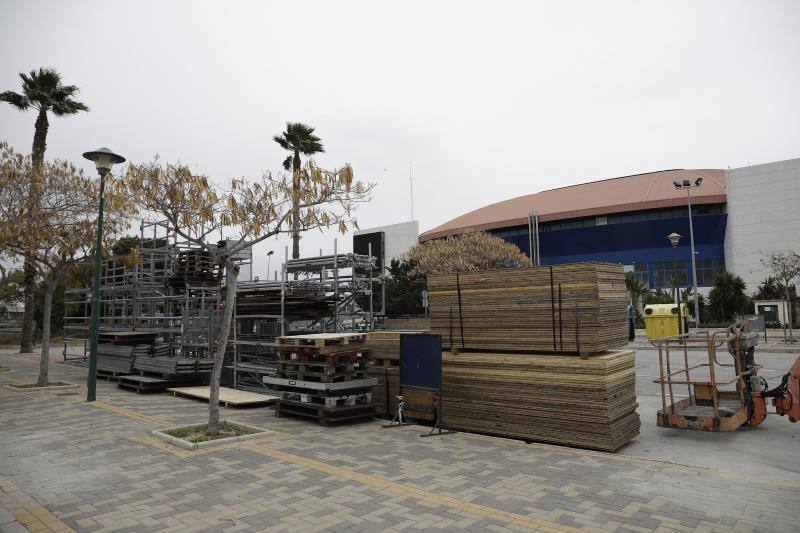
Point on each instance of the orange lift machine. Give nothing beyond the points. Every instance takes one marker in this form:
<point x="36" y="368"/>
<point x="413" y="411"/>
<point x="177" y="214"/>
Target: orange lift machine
<point x="720" y="396"/>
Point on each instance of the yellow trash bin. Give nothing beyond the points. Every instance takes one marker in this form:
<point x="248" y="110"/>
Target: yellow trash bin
<point x="661" y="320"/>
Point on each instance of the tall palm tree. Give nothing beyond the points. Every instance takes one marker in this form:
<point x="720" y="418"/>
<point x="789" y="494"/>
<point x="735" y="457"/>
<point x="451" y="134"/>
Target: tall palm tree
<point x="43" y="91"/>
<point x="297" y="139"/>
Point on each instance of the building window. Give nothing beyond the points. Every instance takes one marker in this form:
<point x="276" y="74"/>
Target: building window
<point x="671" y="273"/>
<point x="707" y="270"/>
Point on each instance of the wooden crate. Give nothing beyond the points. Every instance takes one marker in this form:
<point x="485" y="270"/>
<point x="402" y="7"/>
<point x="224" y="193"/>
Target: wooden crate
<point x="571" y="308"/>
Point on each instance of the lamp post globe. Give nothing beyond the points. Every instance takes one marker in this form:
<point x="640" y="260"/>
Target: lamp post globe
<point x="104" y="159"/>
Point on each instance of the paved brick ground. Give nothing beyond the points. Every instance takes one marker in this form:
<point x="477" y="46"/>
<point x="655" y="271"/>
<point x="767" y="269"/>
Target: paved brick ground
<point x="68" y="465"/>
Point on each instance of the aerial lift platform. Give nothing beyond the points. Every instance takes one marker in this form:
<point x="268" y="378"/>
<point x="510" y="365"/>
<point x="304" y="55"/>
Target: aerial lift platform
<point x="720" y="396"/>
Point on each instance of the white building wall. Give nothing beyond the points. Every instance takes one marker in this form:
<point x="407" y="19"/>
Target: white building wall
<point x="763" y="217"/>
<point x="397" y="238"/>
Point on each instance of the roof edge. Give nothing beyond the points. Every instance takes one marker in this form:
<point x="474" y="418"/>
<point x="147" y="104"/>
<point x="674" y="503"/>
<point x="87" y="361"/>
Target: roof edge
<point x="579" y="213"/>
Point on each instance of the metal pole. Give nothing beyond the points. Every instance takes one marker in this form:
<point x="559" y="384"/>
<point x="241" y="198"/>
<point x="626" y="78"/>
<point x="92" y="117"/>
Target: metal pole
<point x="411" y="189"/>
<point x="694" y="267"/>
<point x="91" y="380"/>
<point x="536" y="234"/>
<point x="336" y="286"/>
<point x="530" y="238"/>
<point x="283" y="290"/>
<point x="369" y="252"/>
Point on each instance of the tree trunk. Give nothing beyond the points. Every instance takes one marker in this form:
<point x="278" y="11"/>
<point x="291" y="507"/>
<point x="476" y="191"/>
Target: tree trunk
<point x="29" y="300"/>
<point x="789" y="311"/>
<point x="295" y="207"/>
<point x="40" y="138"/>
<point x="28" y="326"/>
<point x="231" y="275"/>
<point x="44" y="361"/>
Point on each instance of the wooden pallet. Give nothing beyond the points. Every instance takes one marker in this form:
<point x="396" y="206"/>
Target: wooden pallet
<point x="326" y="415"/>
<point x="227" y="397"/>
<point x="319" y="377"/>
<point x="323" y="357"/>
<point x="320" y="340"/>
<point x="571" y="308"/>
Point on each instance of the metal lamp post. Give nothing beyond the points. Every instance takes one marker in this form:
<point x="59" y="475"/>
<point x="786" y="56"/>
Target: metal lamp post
<point x="686" y="184"/>
<point x="269" y="259"/>
<point x="674" y="239"/>
<point x="103" y="159"/>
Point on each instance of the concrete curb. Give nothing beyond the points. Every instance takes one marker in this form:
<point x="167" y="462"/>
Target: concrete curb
<point x="65" y="386"/>
<point x="186" y="445"/>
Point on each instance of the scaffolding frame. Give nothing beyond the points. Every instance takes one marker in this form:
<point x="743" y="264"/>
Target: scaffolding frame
<point x="347" y="279"/>
<point x="152" y="295"/>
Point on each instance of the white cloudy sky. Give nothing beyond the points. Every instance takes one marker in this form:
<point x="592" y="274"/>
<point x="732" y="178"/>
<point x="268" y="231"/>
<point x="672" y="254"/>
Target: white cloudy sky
<point x="489" y="100"/>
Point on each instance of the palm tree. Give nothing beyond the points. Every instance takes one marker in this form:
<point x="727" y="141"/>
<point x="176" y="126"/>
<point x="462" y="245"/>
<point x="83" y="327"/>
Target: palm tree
<point x="43" y="91"/>
<point x="297" y="139"/>
<point x="636" y="288"/>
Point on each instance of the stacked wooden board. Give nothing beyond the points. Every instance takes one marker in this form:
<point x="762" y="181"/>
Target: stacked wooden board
<point x="385" y="347"/>
<point x="323" y="376"/>
<point x="570" y="308"/>
<point x="566" y="400"/>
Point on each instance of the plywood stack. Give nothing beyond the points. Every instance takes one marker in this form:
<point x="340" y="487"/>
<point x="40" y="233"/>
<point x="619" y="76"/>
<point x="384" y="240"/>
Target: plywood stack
<point x="566" y="400"/>
<point x="385" y="346"/>
<point x="323" y="376"/>
<point x="571" y="308"/>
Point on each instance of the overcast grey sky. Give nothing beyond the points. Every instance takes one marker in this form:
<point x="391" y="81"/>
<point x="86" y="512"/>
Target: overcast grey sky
<point x="490" y="100"/>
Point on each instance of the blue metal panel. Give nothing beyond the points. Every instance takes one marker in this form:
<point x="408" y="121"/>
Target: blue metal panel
<point x="421" y="360"/>
<point x="631" y="242"/>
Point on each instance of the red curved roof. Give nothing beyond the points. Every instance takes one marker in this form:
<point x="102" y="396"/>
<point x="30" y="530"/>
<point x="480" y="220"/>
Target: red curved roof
<point x="617" y="195"/>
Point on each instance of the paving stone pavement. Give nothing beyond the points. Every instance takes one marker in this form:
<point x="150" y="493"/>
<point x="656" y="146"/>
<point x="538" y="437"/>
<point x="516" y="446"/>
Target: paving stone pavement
<point x="67" y="465"/>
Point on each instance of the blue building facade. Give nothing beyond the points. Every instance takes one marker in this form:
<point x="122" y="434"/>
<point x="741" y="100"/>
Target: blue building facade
<point x="637" y="240"/>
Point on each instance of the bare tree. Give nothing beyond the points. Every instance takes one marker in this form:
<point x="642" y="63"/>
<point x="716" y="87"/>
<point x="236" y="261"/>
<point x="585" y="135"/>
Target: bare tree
<point x="254" y="210"/>
<point x="53" y="231"/>
<point x="785" y="267"/>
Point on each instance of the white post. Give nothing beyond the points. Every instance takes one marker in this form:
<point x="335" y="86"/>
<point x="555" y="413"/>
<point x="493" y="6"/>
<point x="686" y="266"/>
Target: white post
<point x="694" y="267"/>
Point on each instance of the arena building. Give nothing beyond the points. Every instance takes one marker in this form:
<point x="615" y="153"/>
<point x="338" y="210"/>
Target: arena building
<point x="622" y="220"/>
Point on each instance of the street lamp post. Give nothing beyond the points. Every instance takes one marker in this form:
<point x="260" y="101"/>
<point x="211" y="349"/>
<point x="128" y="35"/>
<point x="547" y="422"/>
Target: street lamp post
<point x="103" y="159"/>
<point x="269" y="259"/>
<point x="686" y="184"/>
<point x="674" y="239"/>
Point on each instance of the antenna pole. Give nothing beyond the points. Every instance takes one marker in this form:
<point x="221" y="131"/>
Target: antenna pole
<point x="411" y="187"/>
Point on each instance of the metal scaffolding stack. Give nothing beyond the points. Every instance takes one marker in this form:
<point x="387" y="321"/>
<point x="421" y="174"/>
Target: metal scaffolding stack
<point x="323" y="294"/>
<point x="173" y="289"/>
<point x="168" y="287"/>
